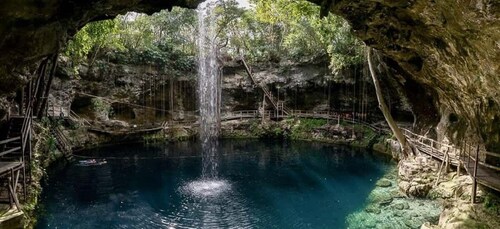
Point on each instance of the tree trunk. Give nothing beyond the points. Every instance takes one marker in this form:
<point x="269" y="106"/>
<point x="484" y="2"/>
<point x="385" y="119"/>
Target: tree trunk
<point x="385" y="110"/>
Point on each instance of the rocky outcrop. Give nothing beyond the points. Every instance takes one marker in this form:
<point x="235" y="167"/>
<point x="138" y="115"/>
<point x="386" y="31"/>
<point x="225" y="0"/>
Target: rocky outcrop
<point x="309" y="86"/>
<point x="386" y="207"/>
<point x="416" y="176"/>
<point x="31" y="30"/>
<point x="447" y="51"/>
<point x="461" y="214"/>
<point x="454" y="186"/>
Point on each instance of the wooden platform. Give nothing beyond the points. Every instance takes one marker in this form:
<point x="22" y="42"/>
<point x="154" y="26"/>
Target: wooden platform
<point x="485" y="176"/>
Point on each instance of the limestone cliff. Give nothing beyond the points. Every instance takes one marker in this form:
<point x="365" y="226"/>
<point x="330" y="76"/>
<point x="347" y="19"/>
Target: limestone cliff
<point x="450" y="49"/>
<point x="130" y="88"/>
<point x="30" y="30"/>
<point x="444" y="53"/>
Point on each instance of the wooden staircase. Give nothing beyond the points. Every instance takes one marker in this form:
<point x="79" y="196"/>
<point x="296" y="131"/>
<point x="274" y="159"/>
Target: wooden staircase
<point x="75" y="118"/>
<point x="278" y="105"/>
<point x="62" y="143"/>
<point x="15" y="155"/>
<point x="16" y="148"/>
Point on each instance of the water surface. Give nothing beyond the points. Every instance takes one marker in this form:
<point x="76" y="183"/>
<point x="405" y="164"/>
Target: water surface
<point x="260" y="184"/>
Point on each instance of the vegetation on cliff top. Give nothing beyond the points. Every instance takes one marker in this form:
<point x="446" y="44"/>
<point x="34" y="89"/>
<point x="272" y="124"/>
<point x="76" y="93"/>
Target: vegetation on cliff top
<point x="284" y="30"/>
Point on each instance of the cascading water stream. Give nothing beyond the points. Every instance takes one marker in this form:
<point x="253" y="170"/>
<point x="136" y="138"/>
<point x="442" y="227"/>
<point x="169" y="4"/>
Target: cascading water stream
<point x="210" y="185"/>
<point x="208" y="87"/>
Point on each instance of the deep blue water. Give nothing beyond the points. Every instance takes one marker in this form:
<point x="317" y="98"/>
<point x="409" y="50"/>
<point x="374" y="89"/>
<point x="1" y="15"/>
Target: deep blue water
<point x="261" y="184"/>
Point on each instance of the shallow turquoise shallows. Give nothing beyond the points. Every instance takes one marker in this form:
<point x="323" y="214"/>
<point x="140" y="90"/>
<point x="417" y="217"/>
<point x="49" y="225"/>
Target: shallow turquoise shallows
<point x="259" y="184"/>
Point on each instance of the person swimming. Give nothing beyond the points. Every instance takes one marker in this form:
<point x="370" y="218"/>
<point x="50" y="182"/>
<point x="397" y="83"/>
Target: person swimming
<point x="90" y="162"/>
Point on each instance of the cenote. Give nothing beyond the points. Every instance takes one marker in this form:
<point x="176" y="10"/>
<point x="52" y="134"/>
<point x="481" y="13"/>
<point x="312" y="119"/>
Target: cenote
<point x="249" y="114"/>
<point x="260" y="184"/>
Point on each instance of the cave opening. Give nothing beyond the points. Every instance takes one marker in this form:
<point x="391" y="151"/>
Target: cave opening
<point x="285" y="75"/>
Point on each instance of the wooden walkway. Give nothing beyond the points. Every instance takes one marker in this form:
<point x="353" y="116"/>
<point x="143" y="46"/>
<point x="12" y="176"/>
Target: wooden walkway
<point x="473" y="159"/>
<point x="332" y="116"/>
<point x="245" y="114"/>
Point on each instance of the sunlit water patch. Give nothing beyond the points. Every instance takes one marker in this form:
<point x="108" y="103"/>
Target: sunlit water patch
<point x="260" y="184"/>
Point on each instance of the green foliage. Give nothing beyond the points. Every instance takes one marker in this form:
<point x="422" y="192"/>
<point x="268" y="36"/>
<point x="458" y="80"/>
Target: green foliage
<point x="309" y="124"/>
<point x="165" y="40"/>
<point x="50" y="123"/>
<point x="271" y="31"/>
<point x="163" y="56"/>
<point x="287" y="30"/>
<point x="93" y="36"/>
<point x="492" y="204"/>
<point x="51" y="144"/>
<point x="152" y="139"/>
<point x="304" y="127"/>
<point x="101" y="106"/>
<point x="470" y="223"/>
<point x="256" y="129"/>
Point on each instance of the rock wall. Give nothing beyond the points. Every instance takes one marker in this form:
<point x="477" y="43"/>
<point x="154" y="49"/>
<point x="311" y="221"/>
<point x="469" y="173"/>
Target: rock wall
<point x="450" y="49"/>
<point x="444" y="53"/>
<point x="31" y="30"/>
<point x="310" y="86"/>
<point x="139" y="94"/>
<point x="136" y="94"/>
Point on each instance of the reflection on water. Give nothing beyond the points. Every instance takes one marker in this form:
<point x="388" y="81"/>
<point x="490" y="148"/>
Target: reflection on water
<point x="260" y="184"/>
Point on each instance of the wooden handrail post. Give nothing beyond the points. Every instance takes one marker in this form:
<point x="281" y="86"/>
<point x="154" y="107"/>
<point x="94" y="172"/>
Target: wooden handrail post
<point x="474" y="181"/>
<point x="468" y="154"/>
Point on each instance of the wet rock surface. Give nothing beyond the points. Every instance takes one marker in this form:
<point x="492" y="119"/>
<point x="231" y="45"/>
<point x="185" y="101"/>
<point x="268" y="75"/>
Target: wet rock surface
<point x="417" y="202"/>
<point x="416" y="176"/>
<point x="387" y="207"/>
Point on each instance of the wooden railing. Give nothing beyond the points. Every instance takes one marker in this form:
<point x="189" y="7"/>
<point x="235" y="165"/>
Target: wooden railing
<point x="240" y="114"/>
<point x="7" y="141"/>
<point x="61" y="141"/>
<point x="276" y="103"/>
<point x="467" y="153"/>
<point x="76" y="118"/>
<point x="26" y="130"/>
<point x="472" y="153"/>
<point x="472" y="158"/>
<point x="299" y="114"/>
<point x="434" y="148"/>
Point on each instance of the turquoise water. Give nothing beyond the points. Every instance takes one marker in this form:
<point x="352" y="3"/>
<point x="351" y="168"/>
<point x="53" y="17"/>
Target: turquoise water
<point x="260" y="184"/>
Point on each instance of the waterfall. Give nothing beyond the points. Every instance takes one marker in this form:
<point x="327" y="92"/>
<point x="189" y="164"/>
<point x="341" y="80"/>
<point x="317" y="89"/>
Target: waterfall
<point x="208" y="87"/>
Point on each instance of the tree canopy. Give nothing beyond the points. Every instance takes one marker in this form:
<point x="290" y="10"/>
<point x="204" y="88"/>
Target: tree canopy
<point x="269" y="31"/>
